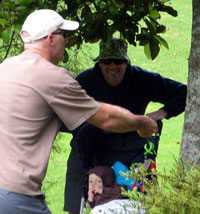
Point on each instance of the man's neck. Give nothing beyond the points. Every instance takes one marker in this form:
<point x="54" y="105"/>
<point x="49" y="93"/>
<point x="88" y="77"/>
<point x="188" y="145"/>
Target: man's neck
<point x="38" y="49"/>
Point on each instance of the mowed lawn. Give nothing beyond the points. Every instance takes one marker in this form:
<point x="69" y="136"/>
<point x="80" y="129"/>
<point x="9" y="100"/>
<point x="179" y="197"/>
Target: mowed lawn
<point x="172" y="63"/>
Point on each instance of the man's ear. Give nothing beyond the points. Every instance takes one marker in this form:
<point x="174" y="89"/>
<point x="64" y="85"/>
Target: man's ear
<point x="50" y="39"/>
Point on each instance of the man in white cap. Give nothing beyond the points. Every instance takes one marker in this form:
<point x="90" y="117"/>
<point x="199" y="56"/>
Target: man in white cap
<point x="35" y="96"/>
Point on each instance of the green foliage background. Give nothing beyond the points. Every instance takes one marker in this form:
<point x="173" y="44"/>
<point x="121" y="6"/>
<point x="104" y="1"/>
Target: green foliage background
<point x="138" y="22"/>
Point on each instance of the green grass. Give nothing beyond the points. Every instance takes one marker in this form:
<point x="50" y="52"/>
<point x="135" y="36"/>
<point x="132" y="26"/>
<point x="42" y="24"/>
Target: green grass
<point x="172" y="63"/>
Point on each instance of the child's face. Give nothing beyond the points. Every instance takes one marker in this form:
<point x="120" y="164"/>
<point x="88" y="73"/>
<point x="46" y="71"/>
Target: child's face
<point x="95" y="184"/>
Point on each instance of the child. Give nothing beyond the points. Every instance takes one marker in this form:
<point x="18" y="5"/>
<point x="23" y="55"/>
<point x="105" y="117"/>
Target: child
<point x="101" y="186"/>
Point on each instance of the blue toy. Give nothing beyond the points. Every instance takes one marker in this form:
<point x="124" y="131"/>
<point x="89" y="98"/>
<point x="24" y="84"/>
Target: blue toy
<point x="121" y="179"/>
<point x="120" y="170"/>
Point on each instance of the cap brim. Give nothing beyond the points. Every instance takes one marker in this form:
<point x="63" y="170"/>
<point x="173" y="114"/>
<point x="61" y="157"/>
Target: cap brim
<point x="108" y="57"/>
<point x="96" y="59"/>
<point x="69" y="25"/>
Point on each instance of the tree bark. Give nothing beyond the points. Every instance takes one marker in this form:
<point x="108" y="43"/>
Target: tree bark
<point x="190" y="146"/>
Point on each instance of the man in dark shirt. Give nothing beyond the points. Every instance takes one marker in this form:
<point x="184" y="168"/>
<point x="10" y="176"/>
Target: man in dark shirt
<point x="115" y="81"/>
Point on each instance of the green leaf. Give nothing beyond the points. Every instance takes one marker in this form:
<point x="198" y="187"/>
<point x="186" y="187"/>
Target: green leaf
<point x="17" y="28"/>
<point x="171" y="11"/>
<point x="147" y="50"/>
<point x="168" y="9"/>
<point x="23" y="2"/>
<point x="100" y="3"/>
<point x="154" y="14"/>
<point x="111" y="31"/>
<point x="66" y="56"/>
<point x="144" y="31"/>
<point x="161" y="29"/>
<point x="86" y="12"/>
<point x="151" y="27"/>
<point x="1" y="29"/>
<point x="3" y="21"/>
<point x="152" y="49"/>
<point x="162" y="41"/>
<point x="113" y="10"/>
<point x="154" y="24"/>
<point x="118" y="3"/>
<point x="41" y="2"/>
<point x="143" y="42"/>
<point x="5" y="14"/>
<point x="7" y="35"/>
<point x="21" y="7"/>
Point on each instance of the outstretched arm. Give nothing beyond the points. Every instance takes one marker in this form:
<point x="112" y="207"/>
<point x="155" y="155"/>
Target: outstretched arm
<point x="118" y="119"/>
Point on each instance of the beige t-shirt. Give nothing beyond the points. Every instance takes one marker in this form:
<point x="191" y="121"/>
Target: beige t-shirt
<point x="34" y="94"/>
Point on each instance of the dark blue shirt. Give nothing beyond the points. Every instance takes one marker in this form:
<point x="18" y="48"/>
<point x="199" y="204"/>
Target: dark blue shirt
<point x="138" y="88"/>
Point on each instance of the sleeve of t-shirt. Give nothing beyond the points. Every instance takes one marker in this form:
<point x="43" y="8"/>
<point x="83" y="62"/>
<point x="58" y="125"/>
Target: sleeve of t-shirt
<point x="171" y="93"/>
<point x="72" y="104"/>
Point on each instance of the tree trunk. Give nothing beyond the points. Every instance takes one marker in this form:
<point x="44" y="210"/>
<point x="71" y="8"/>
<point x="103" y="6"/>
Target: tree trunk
<point x="190" y="146"/>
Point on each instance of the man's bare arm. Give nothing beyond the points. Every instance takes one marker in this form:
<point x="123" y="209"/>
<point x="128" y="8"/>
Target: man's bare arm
<point x="118" y="119"/>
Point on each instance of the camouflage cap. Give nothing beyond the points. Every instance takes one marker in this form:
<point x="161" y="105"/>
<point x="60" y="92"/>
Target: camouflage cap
<point x="116" y="49"/>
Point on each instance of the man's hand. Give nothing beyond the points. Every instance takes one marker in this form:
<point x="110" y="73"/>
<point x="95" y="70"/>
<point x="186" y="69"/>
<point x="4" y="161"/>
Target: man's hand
<point x="147" y="126"/>
<point x="158" y="115"/>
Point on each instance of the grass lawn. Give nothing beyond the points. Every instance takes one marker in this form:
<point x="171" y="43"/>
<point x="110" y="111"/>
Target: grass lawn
<point x="172" y="63"/>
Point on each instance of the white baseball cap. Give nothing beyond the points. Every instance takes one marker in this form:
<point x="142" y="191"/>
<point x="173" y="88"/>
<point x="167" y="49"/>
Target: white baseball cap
<point x="42" y="22"/>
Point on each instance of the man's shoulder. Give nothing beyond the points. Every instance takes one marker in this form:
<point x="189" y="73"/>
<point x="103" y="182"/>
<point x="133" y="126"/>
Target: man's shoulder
<point x="138" y="71"/>
<point x="42" y="69"/>
<point x="90" y="73"/>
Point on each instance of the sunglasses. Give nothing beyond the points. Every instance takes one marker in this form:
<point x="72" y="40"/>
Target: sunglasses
<point x="116" y="61"/>
<point x="64" y="33"/>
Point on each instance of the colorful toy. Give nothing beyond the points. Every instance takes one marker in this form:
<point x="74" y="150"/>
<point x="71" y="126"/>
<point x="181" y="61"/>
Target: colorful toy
<point x="120" y="169"/>
<point x="122" y="172"/>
